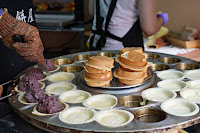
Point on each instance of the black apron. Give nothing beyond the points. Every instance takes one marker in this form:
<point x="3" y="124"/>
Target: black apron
<point x="12" y="63"/>
<point x="133" y="37"/>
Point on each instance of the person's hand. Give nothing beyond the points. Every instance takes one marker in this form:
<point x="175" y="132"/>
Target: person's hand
<point x="164" y="16"/>
<point x="30" y="51"/>
<point x="33" y="49"/>
<point x="1" y="90"/>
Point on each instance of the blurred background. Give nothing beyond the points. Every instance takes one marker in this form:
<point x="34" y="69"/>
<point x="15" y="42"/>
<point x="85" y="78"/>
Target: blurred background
<point x="65" y="26"/>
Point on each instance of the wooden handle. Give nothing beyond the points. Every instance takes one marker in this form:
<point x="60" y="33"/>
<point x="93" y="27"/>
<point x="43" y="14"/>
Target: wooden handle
<point x="1" y="90"/>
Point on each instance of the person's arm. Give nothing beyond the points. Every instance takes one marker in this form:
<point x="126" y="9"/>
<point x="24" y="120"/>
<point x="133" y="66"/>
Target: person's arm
<point x="32" y="50"/>
<point x="149" y="21"/>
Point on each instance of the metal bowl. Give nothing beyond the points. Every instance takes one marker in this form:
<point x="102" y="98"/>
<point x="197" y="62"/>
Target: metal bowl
<point x="149" y="115"/>
<point x="72" y="69"/>
<point x="108" y="54"/>
<point x="169" y="60"/>
<point x="187" y="66"/>
<point x="131" y="101"/>
<point x="159" y="67"/>
<point x="81" y="57"/>
<point x="151" y="56"/>
<point x="63" y="61"/>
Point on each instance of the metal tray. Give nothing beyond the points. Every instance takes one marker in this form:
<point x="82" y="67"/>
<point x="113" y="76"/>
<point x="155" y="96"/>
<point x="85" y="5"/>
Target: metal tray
<point x="58" y="20"/>
<point x="167" y="121"/>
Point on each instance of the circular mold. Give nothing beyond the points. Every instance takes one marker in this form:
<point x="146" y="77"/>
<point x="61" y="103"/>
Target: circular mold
<point x="59" y="87"/>
<point x="101" y="101"/>
<point x="187" y="66"/>
<point x="192" y="95"/>
<point x="114" y="118"/>
<point x="17" y="89"/>
<point x="193" y="84"/>
<point x="158" y="94"/>
<point x="173" y="85"/>
<point x="38" y="80"/>
<point x="22" y="100"/>
<point x="179" y="107"/>
<point x="61" y="77"/>
<point x="57" y="68"/>
<point x="74" y="96"/>
<point x="192" y="74"/>
<point x="159" y="67"/>
<point x="63" y="61"/>
<point x="72" y="69"/>
<point x="149" y="115"/>
<point x="108" y="54"/>
<point x="170" y="74"/>
<point x="169" y="60"/>
<point x="132" y="101"/>
<point x="35" y="111"/>
<point x="81" y="57"/>
<point x="77" y="115"/>
<point x="151" y="56"/>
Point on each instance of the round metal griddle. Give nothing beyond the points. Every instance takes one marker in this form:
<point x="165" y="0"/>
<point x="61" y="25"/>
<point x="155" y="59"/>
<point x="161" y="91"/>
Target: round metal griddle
<point x="139" y="124"/>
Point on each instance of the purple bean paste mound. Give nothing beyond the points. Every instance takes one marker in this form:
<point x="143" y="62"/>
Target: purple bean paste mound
<point x="49" y="65"/>
<point x="49" y="105"/>
<point x="37" y="72"/>
<point x="35" y="95"/>
<point x="28" y="82"/>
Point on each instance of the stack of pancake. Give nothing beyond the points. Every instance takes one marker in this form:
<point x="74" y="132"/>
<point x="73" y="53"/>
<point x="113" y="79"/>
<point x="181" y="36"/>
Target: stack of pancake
<point x="98" y="71"/>
<point x="133" y="66"/>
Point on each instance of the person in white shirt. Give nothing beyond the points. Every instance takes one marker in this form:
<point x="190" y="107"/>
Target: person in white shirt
<point x="120" y="23"/>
